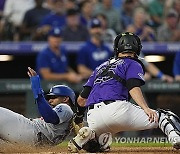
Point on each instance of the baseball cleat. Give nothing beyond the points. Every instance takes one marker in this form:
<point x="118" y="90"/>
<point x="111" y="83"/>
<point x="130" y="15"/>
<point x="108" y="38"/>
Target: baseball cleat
<point x="176" y="146"/>
<point x="84" y="135"/>
<point x="72" y="148"/>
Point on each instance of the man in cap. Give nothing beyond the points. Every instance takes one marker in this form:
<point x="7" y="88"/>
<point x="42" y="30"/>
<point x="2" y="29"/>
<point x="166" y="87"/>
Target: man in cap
<point x="94" y="52"/>
<point x="52" y="63"/>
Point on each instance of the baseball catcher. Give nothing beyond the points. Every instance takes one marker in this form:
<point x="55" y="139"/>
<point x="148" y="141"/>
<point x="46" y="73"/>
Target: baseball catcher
<point x="106" y="96"/>
<point x="55" y="123"/>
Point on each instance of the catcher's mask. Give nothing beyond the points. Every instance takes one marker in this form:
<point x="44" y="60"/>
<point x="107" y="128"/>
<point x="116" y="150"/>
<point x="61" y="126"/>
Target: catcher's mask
<point x="61" y="90"/>
<point x="127" y="42"/>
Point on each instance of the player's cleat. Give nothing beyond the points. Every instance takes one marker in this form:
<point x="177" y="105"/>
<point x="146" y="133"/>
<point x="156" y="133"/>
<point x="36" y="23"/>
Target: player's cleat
<point x="177" y="146"/>
<point x="84" y="135"/>
<point x="72" y="148"/>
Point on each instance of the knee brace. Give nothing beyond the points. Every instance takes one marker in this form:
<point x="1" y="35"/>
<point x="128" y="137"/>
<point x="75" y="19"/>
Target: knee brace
<point x="168" y="118"/>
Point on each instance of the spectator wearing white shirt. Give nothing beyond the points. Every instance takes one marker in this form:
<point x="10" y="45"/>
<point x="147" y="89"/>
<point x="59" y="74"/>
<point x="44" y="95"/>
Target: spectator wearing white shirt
<point x="14" y="11"/>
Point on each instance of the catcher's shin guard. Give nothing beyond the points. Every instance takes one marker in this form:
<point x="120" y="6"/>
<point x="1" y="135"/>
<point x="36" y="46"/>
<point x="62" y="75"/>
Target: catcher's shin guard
<point x="169" y="123"/>
<point x="84" y="135"/>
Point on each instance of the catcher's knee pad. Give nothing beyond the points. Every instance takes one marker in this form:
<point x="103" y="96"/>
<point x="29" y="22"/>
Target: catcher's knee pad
<point x="169" y="123"/>
<point x="167" y="117"/>
<point x="84" y="135"/>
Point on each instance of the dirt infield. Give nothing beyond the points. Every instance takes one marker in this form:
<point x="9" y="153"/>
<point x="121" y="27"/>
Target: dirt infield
<point x="58" y="149"/>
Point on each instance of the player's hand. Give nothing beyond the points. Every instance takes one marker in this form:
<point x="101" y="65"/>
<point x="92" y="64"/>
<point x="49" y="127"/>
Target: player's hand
<point x="167" y="78"/>
<point x="177" y="77"/>
<point x="151" y="114"/>
<point x="73" y="77"/>
<point x="31" y="72"/>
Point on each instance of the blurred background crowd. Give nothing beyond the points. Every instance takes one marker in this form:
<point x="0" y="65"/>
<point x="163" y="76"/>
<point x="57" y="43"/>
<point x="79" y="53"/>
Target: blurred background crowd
<point x="95" y="22"/>
<point x="32" y="19"/>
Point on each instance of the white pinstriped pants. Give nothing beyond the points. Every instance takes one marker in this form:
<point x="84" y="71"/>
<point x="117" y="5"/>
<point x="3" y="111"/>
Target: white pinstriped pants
<point x="117" y="117"/>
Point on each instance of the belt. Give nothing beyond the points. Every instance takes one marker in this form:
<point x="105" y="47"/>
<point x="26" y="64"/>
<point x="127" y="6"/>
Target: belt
<point x="105" y="102"/>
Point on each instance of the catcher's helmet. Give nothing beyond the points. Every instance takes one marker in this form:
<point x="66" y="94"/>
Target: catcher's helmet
<point x="127" y="42"/>
<point x="62" y="90"/>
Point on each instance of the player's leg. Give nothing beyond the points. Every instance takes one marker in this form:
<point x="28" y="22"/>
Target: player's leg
<point x="16" y="128"/>
<point x="169" y="123"/>
<point x="86" y="139"/>
<point x="116" y="117"/>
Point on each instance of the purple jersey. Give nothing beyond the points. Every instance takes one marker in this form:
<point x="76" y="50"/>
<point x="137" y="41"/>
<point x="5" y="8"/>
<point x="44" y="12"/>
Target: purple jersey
<point x="107" y="88"/>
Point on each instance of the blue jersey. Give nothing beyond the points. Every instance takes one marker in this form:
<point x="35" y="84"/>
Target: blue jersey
<point x="176" y="67"/>
<point x="48" y="59"/>
<point x="106" y="88"/>
<point x="92" y="56"/>
<point x="54" y="20"/>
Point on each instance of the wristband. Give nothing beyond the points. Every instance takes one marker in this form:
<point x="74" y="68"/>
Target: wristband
<point x="159" y="75"/>
<point x="36" y="86"/>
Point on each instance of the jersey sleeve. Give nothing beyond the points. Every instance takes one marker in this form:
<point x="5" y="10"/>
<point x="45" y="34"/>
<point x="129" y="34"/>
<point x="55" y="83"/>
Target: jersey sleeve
<point x="135" y="71"/>
<point x="64" y="112"/>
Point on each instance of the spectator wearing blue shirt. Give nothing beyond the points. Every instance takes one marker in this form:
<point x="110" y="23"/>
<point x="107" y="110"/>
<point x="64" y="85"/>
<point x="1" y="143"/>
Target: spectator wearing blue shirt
<point x="176" y="67"/>
<point x="74" y="31"/>
<point x="52" y="63"/>
<point x="56" y="18"/>
<point x="139" y="26"/>
<point x="126" y="13"/>
<point x="86" y="8"/>
<point x="32" y="20"/>
<point x="94" y="52"/>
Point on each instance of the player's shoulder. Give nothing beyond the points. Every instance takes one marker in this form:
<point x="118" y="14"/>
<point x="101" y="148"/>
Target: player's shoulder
<point x="133" y="62"/>
<point x="63" y="108"/>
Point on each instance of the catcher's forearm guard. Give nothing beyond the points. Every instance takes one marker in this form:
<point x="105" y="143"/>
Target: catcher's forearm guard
<point x="36" y="86"/>
<point x="79" y="114"/>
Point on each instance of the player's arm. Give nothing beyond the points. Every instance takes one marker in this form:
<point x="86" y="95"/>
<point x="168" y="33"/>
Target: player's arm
<point x="46" y="111"/>
<point x="137" y="96"/>
<point x="84" y="71"/>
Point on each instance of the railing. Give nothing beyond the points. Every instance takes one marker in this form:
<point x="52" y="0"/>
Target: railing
<point x="34" y="47"/>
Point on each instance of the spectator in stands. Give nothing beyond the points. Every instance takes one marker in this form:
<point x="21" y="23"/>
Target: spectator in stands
<point x="139" y="27"/>
<point x="94" y="52"/>
<point x="54" y="19"/>
<point x="108" y="34"/>
<point x="155" y="10"/>
<point x="176" y="67"/>
<point x="126" y="13"/>
<point x="86" y="8"/>
<point x="170" y="30"/>
<point x="52" y="62"/>
<point x="14" y="12"/>
<point x="32" y="19"/>
<point x="176" y="6"/>
<point x="70" y="4"/>
<point x="112" y="14"/>
<point x="2" y="2"/>
<point x="74" y="31"/>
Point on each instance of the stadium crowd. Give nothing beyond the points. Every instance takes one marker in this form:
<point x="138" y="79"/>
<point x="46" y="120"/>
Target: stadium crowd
<point x="91" y="21"/>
